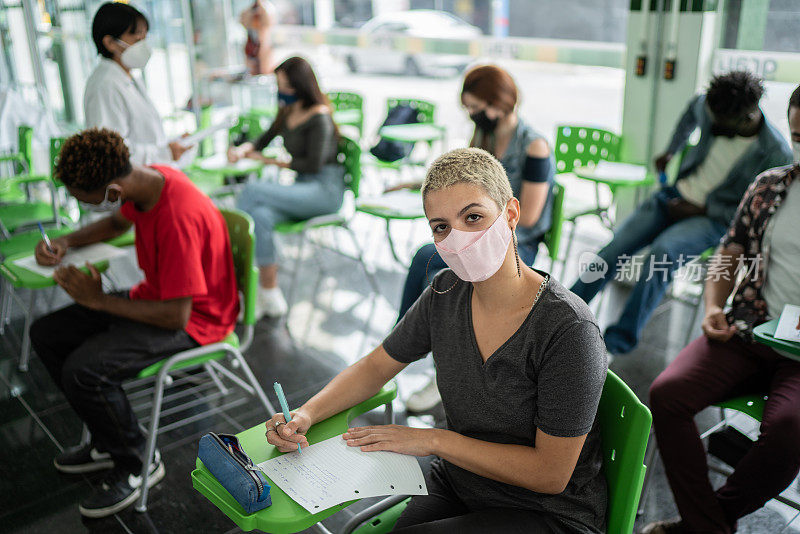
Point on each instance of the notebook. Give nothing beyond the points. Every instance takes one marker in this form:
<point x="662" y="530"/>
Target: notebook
<point x="329" y="473"/>
<point x="74" y="256"/>
<point x="787" y="324"/>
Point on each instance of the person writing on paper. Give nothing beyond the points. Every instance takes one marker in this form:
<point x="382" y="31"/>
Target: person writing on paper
<point x="520" y="367"/>
<point x="188" y="298"/>
<point x="309" y="135"/>
<point x="726" y="362"/>
<point x="681" y="221"/>
<point x="490" y="96"/>
<point x="114" y="98"/>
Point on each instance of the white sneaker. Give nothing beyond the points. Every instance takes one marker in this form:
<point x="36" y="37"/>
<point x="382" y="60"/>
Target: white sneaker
<point x="424" y="399"/>
<point x="271" y="302"/>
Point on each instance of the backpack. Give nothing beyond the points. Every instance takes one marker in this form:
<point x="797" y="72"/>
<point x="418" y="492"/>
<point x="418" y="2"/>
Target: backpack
<point x="387" y="150"/>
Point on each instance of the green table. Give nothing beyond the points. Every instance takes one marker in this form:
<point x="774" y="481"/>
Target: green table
<point x="385" y="211"/>
<point x="20" y="278"/>
<point x="285" y="515"/>
<point x="413" y="133"/>
<point x="349" y="117"/>
<point x="615" y="175"/>
<point x="765" y="334"/>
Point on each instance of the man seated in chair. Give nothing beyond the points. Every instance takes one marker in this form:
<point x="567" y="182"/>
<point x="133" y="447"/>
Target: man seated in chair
<point x="678" y="222"/>
<point x="726" y="362"/>
<point x="188" y="298"/>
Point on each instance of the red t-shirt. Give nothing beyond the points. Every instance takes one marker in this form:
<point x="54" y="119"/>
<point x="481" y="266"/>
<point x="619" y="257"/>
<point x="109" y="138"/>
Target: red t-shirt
<point x="182" y="246"/>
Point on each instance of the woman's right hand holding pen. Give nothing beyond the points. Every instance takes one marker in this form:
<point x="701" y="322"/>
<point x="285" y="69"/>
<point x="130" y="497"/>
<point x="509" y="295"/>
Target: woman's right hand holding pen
<point x="285" y="436"/>
<point x="52" y="255"/>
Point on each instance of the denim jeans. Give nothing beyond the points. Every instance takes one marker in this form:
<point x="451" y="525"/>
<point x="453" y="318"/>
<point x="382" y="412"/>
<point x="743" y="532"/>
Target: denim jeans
<point x="269" y="203"/>
<point x="421" y="273"/>
<point x="648" y="225"/>
<point x="88" y="354"/>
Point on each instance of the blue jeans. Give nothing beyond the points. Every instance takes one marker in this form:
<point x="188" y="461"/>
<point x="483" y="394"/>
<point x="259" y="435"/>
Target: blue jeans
<point x="421" y="273"/>
<point x="269" y="203"/>
<point x="671" y="241"/>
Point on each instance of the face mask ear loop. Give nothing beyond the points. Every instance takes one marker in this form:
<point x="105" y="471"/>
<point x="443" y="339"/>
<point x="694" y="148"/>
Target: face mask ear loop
<point x="433" y="288"/>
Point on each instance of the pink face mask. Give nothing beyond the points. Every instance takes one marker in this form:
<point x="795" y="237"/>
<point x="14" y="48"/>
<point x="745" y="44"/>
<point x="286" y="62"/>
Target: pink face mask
<point x="476" y="256"/>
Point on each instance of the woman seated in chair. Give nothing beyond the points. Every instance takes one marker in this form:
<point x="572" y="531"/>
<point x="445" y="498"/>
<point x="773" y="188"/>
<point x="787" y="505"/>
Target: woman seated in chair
<point x="309" y="135"/>
<point x="490" y="96"/>
<point x="521" y="367"/>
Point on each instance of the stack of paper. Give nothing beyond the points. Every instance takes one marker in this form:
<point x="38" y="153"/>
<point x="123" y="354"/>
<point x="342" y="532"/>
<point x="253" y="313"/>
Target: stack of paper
<point x="787" y="324"/>
<point x="329" y="473"/>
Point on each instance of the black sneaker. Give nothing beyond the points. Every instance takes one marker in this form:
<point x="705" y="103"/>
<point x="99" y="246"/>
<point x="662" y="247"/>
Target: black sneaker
<point x="119" y="490"/>
<point x="82" y="459"/>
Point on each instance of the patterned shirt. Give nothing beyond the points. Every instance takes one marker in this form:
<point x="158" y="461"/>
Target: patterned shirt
<point x="746" y="237"/>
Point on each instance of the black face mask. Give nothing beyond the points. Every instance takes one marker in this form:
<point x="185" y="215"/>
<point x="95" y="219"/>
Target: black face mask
<point x="483" y="122"/>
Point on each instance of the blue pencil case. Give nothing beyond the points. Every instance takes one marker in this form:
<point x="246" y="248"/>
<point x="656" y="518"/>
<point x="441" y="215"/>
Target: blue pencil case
<point x="222" y="454"/>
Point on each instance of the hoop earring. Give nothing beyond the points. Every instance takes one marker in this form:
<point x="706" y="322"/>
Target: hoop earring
<point x="516" y="255"/>
<point x="431" y="284"/>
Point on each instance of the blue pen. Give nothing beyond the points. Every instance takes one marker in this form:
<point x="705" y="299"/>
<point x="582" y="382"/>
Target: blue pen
<point x="284" y="406"/>
<point x="47" y="242"/>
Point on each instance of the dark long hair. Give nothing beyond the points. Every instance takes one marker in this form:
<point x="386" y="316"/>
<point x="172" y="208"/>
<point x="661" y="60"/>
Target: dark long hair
<point x="304" y="82"/>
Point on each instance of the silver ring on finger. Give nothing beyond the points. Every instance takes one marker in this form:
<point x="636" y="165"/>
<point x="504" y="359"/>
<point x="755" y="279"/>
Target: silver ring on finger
<point x="279" y="423"/>
<point x="268" y="431"/>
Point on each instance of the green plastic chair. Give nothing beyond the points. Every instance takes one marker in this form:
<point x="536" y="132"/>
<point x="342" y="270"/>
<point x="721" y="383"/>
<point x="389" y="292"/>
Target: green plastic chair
<point x="210" y="357"/>
<point x="348" y="109"/>
<point x="350" y="158"/>
<point x="426" y="111"/>
<point x="552" y="238"/>
<point x="624" y="425"/>
<point x="285" y="515"/>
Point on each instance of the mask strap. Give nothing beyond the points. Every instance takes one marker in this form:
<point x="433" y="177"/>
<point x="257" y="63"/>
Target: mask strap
<point x="426" y="277"/>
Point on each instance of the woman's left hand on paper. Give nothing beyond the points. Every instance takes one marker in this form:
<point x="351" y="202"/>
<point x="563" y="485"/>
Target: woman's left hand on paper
<point x="394" y="438"/>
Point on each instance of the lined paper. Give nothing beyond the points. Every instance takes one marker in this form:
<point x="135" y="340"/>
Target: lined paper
<point x="329" y="473"/>
<point x="74" y="256"/>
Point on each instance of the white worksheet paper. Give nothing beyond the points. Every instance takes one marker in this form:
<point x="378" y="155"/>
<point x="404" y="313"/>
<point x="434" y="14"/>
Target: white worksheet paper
<point x="74" y="256"/>
<point x="329" y="473"/>
<point x="787" y="324"/>
<point x="220" y="161"/>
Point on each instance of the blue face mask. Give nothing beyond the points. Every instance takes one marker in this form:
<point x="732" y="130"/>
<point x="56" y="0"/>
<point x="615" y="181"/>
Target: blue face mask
<point x="105" y="206"/>
<point x="286" y="99"/>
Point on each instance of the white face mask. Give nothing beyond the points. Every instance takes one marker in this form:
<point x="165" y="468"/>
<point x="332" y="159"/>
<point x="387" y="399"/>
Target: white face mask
<point x="137" y="55"/>
<point x="106" y="205"/>
<point x="796" y="150"/>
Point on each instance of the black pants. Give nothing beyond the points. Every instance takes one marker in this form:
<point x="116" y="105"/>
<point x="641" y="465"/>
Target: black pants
<point x="441" y="511"/>
<point x="88" y="354"/>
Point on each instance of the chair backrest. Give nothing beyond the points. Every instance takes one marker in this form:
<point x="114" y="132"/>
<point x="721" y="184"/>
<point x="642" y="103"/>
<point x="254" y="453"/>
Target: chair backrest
<point x="581" y="146"/>
<point x="25" y="145"/>
<point x="425" y="109"/>
<point x="625" y="428"/>
<point x="552" y="238"/>
<point x="241" y="230"/>
<point x="342" y="101"/>
<point x="55" y="149"/>
<point x="252" y="124"/>
<point x="350" y="158"/>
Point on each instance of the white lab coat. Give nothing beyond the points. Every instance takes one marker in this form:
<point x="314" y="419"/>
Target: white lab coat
<point x="115" y="101"/>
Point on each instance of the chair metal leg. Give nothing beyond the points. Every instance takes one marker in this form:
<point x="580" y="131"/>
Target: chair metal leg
<point x="293" y="283"/>
<point x="248" y="373"/>
<point x="155" y="415"/>
<point x="568" y="249"/>
<point x="650" y="458"/>
<point x="391" y="243"/>
<point x="388" y="413"/>
<point x="25" y="353"/>
<point x="5" y="305"/>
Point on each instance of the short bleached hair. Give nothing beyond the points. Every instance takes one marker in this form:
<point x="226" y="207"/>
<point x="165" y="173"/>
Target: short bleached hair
<point x="469" y="166"/>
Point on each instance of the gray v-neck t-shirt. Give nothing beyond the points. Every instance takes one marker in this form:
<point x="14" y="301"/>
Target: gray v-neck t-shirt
<point x="548" y="375"/>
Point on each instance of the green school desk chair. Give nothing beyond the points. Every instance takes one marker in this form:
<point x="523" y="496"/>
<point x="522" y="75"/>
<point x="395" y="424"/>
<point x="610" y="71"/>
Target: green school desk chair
<point x="765" y="333"/>
<point x="624" y="425"/>
<point x="751" y="405"/>
<point x="552" y="238"/>
<point x="285" y="515"/>
<point x="212" y="357"/>
<point x="19" y="214"/>
<point x="581" y="146"/>
<point x="350" y="158"/>
<point x="348" y="109"/>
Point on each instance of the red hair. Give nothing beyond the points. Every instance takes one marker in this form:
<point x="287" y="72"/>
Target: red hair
<point x="493" y="85"/>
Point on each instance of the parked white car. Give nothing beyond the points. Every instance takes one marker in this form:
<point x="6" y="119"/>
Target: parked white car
<point x="381" y="56"/>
